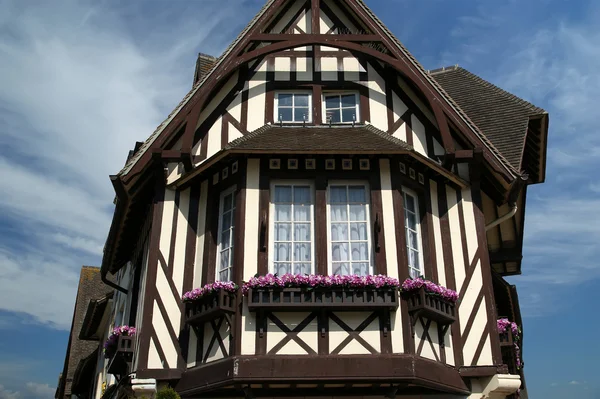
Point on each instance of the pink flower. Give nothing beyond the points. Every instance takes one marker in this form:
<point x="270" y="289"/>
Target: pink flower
<point x="208" y="289"/>
<point x="319" y="281"/>
<point x="410" y="285"/>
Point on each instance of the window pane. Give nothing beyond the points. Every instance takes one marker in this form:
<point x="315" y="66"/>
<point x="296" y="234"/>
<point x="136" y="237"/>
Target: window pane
<point x="225" y="239"/>
<point x="301" y="213"/>
<point x="283" y="213"/>
<point x="302" y="268"/>
<point x="358" y="212"/>
<point x="362" y="269"/>
<point x="226" y="221"/>
<point x="339" y="252"/>
<point x="301" y="114"/>
<point x="409" y="202"/>
<point x="414" y="273"/>
<point x="411" y="221"/>
<point x="283" y="194"/>
<point x="301" y="195"/>
<point x="227" y="202"/>
<point x="332" y="102"/>
<point x="283" y="268"/>
<point x="224" y="260"/>
<point x="301" y="100"/>
<point x="413" y="259"/>
<point x="357" y="194"/>
<point x="412" y="240"/>
<point x="302" y="232"/>
<point x="302" y="253"/>
<point x="282" y="231"/>
<point x="337" y="194"/>
<point x="339" y="231"/>
<point x="349" y="115"/>
<point x="358" y="231"/>
<point x="334" y="115"/>
<point x="348" y="100"/>
<point x="224" y="275"/>
<point x="359" y="251"/>
<point x="282" y="252"/>
<point x="284" y="114"/>
<point x="339" y="213"/>
<point x="341" y="269"/>
<point x="285" y="99"/>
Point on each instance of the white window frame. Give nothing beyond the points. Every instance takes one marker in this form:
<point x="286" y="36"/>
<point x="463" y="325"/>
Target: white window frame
<point x="370" y="251"/>
<point x="224" y="193"/>
<point x="407" y="191"/>
<point x="339" y="94"/>
<point x="271" y="254"/>
<point x="276" y="106"/>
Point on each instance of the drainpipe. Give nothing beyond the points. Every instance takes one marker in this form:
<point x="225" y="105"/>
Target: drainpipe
<point x="113" y="285"/>
<point x="513" y="194"/>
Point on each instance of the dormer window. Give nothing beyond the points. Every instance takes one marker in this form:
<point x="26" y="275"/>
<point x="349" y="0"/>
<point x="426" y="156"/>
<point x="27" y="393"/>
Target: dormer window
<point x="341" y="108"/>
<point x="293" y="107"/>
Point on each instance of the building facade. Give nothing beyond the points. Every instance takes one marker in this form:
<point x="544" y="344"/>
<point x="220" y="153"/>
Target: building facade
<point x="318" y="145"/>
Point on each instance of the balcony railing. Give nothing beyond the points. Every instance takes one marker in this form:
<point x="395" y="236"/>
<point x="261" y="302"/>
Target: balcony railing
<point x="438" y="309"/>
<point x="120" y="362"/>
<point x="210" y="307"/>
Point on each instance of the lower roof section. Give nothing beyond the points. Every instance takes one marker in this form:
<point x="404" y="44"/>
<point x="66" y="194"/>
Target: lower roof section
<point x="400" y="371"/>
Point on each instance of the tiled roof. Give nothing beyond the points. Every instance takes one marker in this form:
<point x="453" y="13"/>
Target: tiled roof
<point x="335" y="139"/>
<point x="501" y="116"/>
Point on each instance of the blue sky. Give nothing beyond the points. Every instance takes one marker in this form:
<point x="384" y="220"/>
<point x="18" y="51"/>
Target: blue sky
<point x="81" y="81"/>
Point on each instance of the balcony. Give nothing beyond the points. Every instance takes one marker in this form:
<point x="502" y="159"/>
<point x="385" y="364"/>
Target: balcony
<point x="435" y="308"/>
<point x="122" y="356"/>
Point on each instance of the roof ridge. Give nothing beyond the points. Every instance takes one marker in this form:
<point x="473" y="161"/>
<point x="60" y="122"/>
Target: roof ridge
<point x="503" y="92"/>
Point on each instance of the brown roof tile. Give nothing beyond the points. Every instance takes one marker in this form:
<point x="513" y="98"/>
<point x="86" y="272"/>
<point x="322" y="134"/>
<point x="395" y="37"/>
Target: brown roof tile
<point x="335" y="139"/>
<point x="500" y="115"/>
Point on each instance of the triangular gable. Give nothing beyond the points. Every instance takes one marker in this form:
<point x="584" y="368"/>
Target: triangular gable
<point x="367" y="36"/>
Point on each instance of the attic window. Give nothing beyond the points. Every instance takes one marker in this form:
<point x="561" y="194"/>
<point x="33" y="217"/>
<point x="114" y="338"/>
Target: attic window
<point x="293" y="107"/>
<point x="341" y="107"/>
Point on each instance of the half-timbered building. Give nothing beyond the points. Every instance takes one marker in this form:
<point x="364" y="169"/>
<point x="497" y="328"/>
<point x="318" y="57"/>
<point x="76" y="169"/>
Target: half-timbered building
<point x="316" y="144"/>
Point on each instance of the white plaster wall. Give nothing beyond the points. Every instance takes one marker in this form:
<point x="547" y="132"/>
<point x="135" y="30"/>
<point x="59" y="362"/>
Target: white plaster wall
<point x="370" y="334"/>
<point x="181" y="240"/>
<point x="215" y="352"/>
<point x="201" y="233"/>
<point x="377" y="100"/>
<point x="329" y="68"/>
<point x="154" y="361"/>
<point x="456" y="236"/>
<point x="437" y="233"/>
<point x="166" y="343"/>
<point x="352" y="69"/>
<point x="304" y="67"/>
<point x="419" y="136"/>
<point x="235" y="108"/>
<point x="282" y="68"/>
<point x="291" y="320"/>
<point x="214" y="138"/>
<point x="257" y="98"/>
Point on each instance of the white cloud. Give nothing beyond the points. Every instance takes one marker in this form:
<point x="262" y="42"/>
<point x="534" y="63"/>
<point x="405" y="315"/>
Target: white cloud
<point x="40" y="391"/>
<point x="80" y="82"/>
<point x="4" y="394"/>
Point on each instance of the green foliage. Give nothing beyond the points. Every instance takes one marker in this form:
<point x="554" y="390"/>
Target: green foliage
<point x="167" y="393"/>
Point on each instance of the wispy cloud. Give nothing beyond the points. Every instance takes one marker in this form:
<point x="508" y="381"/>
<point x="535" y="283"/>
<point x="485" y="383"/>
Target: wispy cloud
<point x="80" y="82"/>
<point x="554" y="64"/>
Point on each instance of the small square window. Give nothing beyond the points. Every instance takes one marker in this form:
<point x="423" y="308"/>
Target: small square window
<point x="330" y="164"/>
<point x="421" y="178"/>
<point x="347" y="164"/>
<point x="234" y="167"/>
<point x="412" y="174"/>
<point x="225" y="173"/>
<point x="402" y="168"/>
<point x="275" y="164"/>
<point x="365" y="164"/>
<point x="311" y="164"/>
<point x="215" y="178"/>
<point x="341" y="108"/>
<point x="292" y="164"/>
<point x="293" y="107"/>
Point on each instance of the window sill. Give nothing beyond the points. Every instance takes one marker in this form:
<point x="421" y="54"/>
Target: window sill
<point x="308" y="299"/>
<point x="209" y="308"/>
<point x="421" y="304"/>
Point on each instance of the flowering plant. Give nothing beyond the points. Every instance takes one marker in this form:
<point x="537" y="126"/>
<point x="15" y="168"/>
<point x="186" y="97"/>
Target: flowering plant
<point x="110" y="345"/>
<point x="209" y="289"/>
<point x="410" y="285"/>
<point x="319" y="281"/>
<point x="504" y="326"/>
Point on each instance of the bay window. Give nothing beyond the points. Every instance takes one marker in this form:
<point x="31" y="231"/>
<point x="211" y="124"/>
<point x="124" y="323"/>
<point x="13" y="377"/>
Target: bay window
<point x="349" y="241"/>
<point x="292" y="228"/>
<point x="226" y="235"/>
<point x="414" y="247"/>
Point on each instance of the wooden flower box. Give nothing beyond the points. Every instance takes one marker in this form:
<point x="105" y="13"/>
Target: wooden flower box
<point x="421" y="304"/>
<point x="308" y="299"/>
<point x="210" y="307"/>
<point x="123" y="356"/>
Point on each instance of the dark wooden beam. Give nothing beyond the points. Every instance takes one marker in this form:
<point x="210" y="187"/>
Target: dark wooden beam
<point x="506" y="255"/>
<point x="322" y="38"/>
<point x="315" y="9"/>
